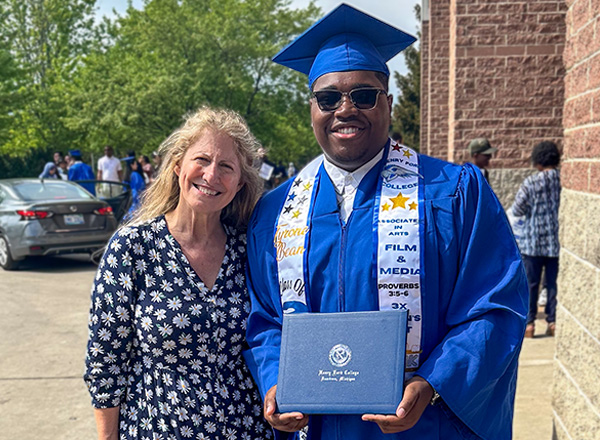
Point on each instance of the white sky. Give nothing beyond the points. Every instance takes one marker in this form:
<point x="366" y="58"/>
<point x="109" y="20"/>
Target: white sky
<point x="398" y="13"/>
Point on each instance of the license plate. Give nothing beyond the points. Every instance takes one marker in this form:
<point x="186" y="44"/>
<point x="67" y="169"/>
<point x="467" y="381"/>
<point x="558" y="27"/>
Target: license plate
<point x="74" y="219"/>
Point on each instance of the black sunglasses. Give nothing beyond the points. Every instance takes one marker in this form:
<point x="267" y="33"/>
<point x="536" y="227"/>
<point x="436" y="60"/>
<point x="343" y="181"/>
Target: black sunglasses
<point x="363" y="98"/>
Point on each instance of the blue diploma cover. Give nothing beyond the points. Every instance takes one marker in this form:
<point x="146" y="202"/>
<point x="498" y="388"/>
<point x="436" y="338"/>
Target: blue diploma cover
<point x="342" y="363"/>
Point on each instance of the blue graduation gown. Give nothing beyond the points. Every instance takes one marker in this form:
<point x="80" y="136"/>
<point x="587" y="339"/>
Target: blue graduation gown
<point x="474" y="298"/>
<point x="82" y="171"/>
<point x="137" y="185"/>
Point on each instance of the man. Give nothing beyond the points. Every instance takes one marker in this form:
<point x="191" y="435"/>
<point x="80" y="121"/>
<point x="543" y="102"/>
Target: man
<point x="481" y="153"/>
<point x="81" y="171"/>
<point x="109" y="169"/>
<point x="369" y="215"/>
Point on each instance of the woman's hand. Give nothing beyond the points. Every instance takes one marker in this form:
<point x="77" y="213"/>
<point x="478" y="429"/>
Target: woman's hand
<point x="107" y="423"/>
<point x="417" y="395"/>
<point x="288" y="422"/>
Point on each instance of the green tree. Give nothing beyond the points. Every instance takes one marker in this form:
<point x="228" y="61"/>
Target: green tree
<point x="45" y="39"/>
<point x="176" y="55"/>
<point x="406" y="115"/>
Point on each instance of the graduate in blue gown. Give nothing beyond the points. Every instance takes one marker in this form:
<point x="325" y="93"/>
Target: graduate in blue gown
<point x="470" y="284"/>
<point x="81" y="171"/>
<point x="136" y="182"/>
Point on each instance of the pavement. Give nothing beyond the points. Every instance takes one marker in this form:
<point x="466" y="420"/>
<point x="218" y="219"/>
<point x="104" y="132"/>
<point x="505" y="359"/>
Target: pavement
<point x="43" y="323"/>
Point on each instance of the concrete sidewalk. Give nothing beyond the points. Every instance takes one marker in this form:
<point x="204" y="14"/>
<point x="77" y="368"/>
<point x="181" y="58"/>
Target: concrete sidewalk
<point x="533" y="409"/>
<point x="43" y="320"/>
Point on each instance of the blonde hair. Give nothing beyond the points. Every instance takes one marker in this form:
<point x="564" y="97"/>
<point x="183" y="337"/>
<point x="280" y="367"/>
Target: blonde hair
<point x="163" y="195"/>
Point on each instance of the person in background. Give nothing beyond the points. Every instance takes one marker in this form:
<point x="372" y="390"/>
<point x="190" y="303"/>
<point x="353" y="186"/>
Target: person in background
<point x="50" y="171"/>
<point x="538" y="200"/>
<point x="369" y="215"/>
<point x="291" y="170"/>
<point x="157" y="160"/>
<point x="147" y="168"/>
<point x="136" y="182"/>
<point x="110" y="170"/>
<point x="63" y="171"/>
<point x="81" y="171"/>
<point x="397" y="137"/>
<point x="481" y="153"/>
<point x="169" y="302"/>
<point x="57" y="157"/>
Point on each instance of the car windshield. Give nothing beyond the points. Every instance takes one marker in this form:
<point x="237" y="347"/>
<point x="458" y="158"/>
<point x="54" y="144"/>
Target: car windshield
<point x="42" y="191"/>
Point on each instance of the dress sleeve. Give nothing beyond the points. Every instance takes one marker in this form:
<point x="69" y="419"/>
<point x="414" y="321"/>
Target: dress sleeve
<point x="111" y="323"/>
<point x="264" y="322"/>
<point x="474" y="365"/>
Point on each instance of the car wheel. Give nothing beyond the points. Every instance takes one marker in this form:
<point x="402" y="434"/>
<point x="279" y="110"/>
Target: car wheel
<point x="6" y="260"/>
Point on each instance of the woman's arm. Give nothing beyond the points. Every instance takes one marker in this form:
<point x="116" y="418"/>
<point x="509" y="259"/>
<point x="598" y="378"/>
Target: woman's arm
<point x="107" y="423"/>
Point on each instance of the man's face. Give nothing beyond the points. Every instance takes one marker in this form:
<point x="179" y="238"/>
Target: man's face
<point x="481" y="160"/>
<point x="348" y="136"/>
<point x="108" y="151"/>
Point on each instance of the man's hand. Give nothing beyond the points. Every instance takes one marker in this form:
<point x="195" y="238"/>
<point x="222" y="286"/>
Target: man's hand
<point x="417" y="395"/>
<point x="288" y="422"/>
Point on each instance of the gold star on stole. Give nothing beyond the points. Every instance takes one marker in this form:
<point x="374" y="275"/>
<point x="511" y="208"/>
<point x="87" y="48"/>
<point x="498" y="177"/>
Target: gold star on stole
<point x="413" y="206"/>
<point x="307" y="186"/>
<point x="399" y="201"/>
<point x="385" y="207"/>
<point x="295" y="214"/>
<point x="407" y="153"/>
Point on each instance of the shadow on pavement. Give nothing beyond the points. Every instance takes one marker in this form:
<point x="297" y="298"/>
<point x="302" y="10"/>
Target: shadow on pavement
<point x="57" y="264"/>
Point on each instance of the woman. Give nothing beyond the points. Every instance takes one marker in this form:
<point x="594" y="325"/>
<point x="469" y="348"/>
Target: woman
<point x="169" y="303"/>
<point x="136" y="182"/>
<point x="50" y="171"/>
<point x="538" y="200"/>
<point x="147" y="168"/>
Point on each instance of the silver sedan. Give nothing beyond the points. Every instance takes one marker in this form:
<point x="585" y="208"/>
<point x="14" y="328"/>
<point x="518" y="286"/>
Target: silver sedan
<point x="49" y="217"/>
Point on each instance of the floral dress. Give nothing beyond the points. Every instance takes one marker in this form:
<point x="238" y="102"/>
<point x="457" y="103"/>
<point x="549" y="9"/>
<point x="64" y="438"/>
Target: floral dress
<point x="166" y="349"/>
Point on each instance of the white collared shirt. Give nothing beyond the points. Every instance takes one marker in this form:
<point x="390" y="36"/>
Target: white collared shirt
<point x="346" y="183"/>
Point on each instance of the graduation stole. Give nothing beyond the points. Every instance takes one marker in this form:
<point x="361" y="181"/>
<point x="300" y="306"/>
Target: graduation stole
<point x="396" y="237"/>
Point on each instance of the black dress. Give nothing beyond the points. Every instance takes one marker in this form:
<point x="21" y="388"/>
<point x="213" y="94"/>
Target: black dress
<point x="166" y="349"/>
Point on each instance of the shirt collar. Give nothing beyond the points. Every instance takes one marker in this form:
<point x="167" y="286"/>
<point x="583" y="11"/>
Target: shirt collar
<point x="346" y="181"/>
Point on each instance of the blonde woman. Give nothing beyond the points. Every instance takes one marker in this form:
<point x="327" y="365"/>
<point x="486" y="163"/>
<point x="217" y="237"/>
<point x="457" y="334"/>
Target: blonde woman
<point x="169" y="302"/>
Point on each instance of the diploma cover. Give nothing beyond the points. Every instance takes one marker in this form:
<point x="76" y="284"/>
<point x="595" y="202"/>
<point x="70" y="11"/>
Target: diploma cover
<point x="342" y="363"/>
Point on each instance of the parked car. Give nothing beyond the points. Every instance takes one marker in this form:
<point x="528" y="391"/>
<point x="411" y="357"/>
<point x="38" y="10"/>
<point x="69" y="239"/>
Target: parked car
<point x="49" y="217"/>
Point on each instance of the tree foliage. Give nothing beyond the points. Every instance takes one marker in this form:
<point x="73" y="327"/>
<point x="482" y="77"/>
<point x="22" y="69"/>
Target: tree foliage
<point x="128" y="81"/>
<point x="406" y="114"/>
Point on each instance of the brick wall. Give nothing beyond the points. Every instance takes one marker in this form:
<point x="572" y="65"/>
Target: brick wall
<point x="502" y="64"/>
<point x="425" y="75"/>
<point x="576" y="393"/>
<point x="436" y="86"/>
<point x="509" y="76"/>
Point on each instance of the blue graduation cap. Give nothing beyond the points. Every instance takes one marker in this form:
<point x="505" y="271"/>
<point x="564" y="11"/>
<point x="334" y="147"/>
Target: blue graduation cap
<point x="345" y="39"/>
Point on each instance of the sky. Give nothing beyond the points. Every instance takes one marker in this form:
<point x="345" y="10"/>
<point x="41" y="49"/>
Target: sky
<point x="398" y="13"/>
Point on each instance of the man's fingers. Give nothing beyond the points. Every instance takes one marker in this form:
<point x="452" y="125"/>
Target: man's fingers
<point x="408" y="402"/>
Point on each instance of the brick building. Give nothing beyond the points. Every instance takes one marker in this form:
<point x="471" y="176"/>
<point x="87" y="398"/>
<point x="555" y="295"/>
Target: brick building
<point x="576" y="396"/>
<point x="519" y="72"/>
<point x="492" y="69"/>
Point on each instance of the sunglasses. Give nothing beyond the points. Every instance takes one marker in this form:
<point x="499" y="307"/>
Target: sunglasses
<point x="363" y="98"/>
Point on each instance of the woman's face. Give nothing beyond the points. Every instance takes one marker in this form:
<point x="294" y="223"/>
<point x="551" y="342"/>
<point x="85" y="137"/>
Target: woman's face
<point x="209" y="173"/>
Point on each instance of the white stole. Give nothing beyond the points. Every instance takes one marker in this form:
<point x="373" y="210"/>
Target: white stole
<point x="397" y="250"/>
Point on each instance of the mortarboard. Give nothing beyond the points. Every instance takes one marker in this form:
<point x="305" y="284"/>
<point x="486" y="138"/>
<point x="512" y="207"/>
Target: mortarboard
<point x="345" y="39"/>
<point x="75" y="153"/>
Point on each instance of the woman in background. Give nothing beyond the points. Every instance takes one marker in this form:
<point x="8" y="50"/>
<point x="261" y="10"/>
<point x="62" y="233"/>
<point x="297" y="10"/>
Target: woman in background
<point x="538" y="200"/>
<point x="169" y="303"/>
<point x="137" y="184"/>
<point x="50" y="171"/>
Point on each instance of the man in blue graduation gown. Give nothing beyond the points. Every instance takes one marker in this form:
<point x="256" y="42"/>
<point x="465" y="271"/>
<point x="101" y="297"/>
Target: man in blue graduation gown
<point x="81" y="171"/>
<point x="468" y="291"/>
